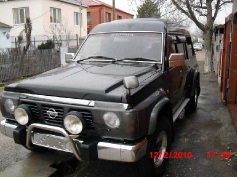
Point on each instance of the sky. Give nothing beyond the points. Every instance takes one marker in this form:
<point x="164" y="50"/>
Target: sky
<point x="126" y="6"/>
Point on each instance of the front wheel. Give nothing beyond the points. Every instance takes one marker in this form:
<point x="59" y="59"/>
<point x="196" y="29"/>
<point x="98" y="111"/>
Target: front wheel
<point x="154" y="162"/>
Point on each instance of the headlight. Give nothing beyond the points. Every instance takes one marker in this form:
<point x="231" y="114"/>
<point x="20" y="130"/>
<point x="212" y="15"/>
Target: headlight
<point x="111" y="120"/>
<point x="74" y="122"/>
<point x="21" y="116"/>
<point x="9" y="106"/>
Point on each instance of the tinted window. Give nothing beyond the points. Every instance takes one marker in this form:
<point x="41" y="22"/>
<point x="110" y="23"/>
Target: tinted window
<point x="180" y="48"/>
<point x="189" y="51"/>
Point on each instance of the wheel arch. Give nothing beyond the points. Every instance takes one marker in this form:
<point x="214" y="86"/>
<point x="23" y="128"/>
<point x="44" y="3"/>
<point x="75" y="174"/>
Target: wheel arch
<point x="163" y="107"/>
<point x="196" y="79"/>
<point x="191" y="83"/>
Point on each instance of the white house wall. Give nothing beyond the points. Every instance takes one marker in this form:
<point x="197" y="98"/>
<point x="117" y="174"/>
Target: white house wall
<point x="67" y="14"/>
<point x="35" y="10"/>
<point x="39" y="11"/>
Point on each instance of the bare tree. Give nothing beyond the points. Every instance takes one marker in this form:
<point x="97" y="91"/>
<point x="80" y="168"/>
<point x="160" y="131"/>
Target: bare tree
<point x="199" y="11"/>
<point x="60" y="32"/>
<point x="25" y="33"/>
<point x="166" y="10"/>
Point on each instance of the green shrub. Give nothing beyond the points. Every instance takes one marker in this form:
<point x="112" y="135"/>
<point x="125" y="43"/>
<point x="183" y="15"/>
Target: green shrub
<point x="48" y="45"/>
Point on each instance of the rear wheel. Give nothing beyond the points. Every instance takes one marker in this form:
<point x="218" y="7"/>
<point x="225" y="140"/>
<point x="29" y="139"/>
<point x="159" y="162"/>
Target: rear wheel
<point x="192" y="104"/>
<point x="154" y="162"/>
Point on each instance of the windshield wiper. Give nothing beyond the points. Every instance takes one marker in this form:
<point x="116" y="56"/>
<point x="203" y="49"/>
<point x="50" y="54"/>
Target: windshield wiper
<point x="98" y="57"/>
<point x="138" y="59"/>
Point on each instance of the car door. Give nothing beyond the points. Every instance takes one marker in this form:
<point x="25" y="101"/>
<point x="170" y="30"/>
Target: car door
<point x="176" y="76"/>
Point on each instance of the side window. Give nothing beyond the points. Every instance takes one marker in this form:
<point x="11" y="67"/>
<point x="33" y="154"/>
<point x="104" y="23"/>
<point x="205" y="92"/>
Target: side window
<point x="180" y="48"/>
<point x="189" y="51"/>
<point x="172" y="49"/>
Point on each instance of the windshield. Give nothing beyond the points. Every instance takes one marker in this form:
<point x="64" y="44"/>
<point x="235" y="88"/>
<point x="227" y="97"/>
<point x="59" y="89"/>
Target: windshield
<point x="123" y="45"/>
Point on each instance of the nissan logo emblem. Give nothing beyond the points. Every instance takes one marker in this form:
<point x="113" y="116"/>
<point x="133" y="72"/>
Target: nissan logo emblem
<point x="52" y="113"/>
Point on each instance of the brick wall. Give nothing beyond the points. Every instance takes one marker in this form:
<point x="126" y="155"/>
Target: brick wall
<point x="98" y="15"/>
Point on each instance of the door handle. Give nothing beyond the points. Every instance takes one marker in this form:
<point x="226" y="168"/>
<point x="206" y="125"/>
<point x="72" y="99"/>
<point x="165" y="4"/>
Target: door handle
<point x="181" y="72"/>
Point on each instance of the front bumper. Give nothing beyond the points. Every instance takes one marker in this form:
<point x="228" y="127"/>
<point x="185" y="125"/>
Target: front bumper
<point x="104" y="150"/>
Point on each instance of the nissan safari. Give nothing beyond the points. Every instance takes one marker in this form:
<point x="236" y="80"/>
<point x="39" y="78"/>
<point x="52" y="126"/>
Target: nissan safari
<point x="117" y="100"/>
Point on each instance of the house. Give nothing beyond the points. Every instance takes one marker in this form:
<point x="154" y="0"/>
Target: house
<point x="99" y="12"/>
<point x="5" y="40"/>
<point x="217" y="42"/>
<point x="49" y="18"/>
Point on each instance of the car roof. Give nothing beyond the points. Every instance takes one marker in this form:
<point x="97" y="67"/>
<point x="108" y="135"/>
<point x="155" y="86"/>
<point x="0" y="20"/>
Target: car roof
<point x="138" y="24"/>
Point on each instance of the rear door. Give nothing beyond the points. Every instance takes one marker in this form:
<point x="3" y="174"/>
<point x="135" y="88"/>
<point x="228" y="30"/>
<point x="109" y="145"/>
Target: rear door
<point x="176" y="75"/>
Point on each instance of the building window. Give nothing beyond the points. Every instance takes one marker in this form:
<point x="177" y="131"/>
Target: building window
<point x="55" y="15"/>
<point x="119" y="17"/>
<point x="20" y="15"/>
<point x="77" y="18"/>
<point x="88" y="18"/>
<point x="108" y="17"/>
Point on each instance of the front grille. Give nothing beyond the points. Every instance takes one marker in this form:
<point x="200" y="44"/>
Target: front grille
<point x="58" y="120"/>
<point x="33" y="109"/>
<point x="87" y="117"/>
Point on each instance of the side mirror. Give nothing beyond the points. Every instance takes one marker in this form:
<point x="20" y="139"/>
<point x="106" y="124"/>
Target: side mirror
<point x="69" y="57"/>
<point x="176" y="59"/>
<point x="130" y="82"/>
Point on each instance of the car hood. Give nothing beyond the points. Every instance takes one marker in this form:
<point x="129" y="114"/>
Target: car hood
<point x="102" y="82"/>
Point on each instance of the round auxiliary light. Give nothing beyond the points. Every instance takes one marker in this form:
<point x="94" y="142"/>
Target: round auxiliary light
<point x="21" y="116"/>
<point x="9" y="106"/>
<point x="74" y="123"/>
<point x="111" y="120"/>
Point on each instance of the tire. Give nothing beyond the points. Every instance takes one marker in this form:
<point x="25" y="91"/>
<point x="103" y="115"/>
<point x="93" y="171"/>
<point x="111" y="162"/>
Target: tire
<point x="192" y="104"/>
<point x="160" y="142"/>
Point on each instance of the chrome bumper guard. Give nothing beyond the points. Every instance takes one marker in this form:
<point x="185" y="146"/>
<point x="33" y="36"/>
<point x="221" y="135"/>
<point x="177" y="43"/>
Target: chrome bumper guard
<point x="106" y="150"/>
<point x="7" y="129"/>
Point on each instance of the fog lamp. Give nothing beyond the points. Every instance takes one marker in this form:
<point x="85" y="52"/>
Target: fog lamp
<point x="21" y="116"/>
<point x="74" y="123"/>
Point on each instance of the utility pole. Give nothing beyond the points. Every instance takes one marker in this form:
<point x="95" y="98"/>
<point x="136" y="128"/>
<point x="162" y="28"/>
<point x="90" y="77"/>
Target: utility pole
<point x="113" y="9"/>
<point x="80" y="18"/>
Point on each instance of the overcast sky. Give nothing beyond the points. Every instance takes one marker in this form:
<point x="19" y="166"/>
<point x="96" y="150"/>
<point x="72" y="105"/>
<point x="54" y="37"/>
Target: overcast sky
<point x="126" y="6"/>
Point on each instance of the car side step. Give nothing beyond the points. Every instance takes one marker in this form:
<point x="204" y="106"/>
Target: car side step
<point x="182" y="106"/>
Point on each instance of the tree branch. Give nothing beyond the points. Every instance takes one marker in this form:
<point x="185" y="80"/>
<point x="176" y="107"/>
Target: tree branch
<point x="193" y="17"/>
<point x="217" y="9"/>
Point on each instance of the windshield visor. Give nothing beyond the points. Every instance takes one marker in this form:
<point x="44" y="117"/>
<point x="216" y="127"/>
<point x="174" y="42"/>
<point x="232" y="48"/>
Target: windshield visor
<point x="123" y="45"/>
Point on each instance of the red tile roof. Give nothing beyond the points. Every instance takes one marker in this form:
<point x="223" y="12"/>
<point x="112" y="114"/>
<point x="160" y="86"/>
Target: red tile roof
<point x="97" y="3"/>
<point x="93" y="2"/>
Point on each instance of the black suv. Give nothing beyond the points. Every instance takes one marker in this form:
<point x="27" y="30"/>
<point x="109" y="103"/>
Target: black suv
<point x="117" y="100"/>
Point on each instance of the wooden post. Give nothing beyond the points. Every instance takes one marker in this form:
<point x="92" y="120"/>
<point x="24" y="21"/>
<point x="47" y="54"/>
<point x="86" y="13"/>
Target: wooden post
<point x="34" y="42"/>
<point x="113" y="9"/>
<point x="77" y="41"/>
<point x="15" y="43"/>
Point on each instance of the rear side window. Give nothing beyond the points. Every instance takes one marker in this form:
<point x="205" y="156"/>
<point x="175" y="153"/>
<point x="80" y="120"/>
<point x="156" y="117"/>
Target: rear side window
<point x="180" y="48"/>
<point x="190" y="52"/>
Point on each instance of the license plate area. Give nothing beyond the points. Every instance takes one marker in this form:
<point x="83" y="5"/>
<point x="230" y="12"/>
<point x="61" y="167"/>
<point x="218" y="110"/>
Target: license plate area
<point x="51" y="141"/>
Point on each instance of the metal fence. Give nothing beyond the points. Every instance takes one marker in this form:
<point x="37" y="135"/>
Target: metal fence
<point x="14" y="64"/>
